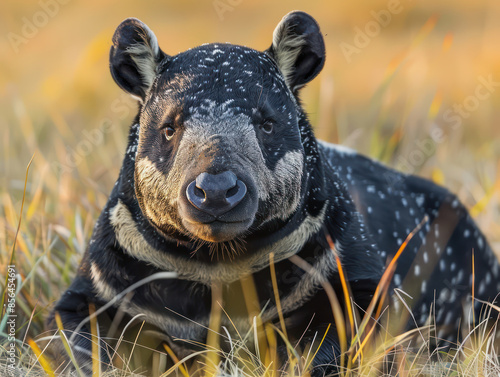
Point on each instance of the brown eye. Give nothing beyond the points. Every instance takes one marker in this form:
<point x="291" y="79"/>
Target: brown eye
<point x="267" y="127"/>
<point x="169" y="133"/>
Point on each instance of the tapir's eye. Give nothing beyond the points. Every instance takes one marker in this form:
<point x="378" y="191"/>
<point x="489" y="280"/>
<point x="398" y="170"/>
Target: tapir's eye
<point x="169" y="132"/>
<point x="267" y="127"/>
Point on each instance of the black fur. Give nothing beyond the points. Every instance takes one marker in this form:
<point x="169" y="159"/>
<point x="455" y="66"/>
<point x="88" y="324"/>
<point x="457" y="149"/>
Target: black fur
<point x="366" y="208"/>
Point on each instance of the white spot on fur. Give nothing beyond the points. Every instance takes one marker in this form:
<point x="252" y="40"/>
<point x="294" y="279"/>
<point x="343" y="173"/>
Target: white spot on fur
<point x="340" y="149"/>
<point x="420" y="200"/>
<point x="423" y="288"/>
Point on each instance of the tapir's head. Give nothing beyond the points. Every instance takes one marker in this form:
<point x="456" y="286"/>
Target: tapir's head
<point x="219" y="152"/>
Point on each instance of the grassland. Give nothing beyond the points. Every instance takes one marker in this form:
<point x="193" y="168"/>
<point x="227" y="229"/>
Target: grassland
<point x="408" y="96"/>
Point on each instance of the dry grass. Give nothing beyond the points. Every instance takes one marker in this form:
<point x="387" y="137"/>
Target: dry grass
<point x="56" y="93"/>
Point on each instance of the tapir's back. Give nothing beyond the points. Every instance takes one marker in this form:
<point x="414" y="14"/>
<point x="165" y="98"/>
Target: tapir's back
<point x="437" y="262"/>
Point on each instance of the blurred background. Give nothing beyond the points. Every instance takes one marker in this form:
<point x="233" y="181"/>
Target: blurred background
<point x="415" y="84"/>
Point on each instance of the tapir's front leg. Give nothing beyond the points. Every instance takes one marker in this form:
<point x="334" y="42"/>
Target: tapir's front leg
<point x="74" y="309"/>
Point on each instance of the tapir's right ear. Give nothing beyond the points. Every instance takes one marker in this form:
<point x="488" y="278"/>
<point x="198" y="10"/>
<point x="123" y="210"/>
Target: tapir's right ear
<point x="298" y="49"/>
<point x="134" y="57"/>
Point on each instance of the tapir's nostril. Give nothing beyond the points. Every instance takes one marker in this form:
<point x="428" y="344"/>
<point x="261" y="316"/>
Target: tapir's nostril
<point x="199" y="192"/>
<point x="216" y="194"/>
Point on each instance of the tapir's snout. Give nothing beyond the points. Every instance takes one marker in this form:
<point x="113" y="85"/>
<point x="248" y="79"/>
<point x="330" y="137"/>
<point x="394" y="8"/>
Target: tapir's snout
<point x="218" y="206"/>
<point x="216" y="194"/>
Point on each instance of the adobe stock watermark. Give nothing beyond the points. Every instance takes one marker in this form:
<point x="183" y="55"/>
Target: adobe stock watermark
<point x="452" y="120"/>
<point x="10" y="312"/>
<point x="223" y="6"/>
<point x="32" y="25"/>
<point x="364" y="36"/>
<point x="92" y="138"/>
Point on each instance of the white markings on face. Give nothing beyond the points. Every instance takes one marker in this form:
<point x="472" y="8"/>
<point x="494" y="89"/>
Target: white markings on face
<point x="156" y="188"/>
<point x="215" y="129"/>
<point x="237" y="131"/>
<point x="285" y="177"/>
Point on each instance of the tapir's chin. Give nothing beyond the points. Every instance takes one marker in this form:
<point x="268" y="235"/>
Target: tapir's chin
<point x="217" y="231"/>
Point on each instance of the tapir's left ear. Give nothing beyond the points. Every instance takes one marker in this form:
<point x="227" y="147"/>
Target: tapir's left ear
<point x="298" y="49"/>
<point x="134" y="57"/>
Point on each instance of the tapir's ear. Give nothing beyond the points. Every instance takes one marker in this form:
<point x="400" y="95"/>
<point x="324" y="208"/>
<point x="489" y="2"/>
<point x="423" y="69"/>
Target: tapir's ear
<point x="134" y="57"/>
<point x="298" y="49"/>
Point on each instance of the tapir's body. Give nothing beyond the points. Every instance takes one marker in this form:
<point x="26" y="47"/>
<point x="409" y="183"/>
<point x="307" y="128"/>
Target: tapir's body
<point x="223" y="182"/>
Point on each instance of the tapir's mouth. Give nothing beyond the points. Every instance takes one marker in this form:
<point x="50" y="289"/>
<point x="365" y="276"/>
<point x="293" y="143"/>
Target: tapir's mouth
<point x="215" y="221"/>
<point x="217" y="230"/>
